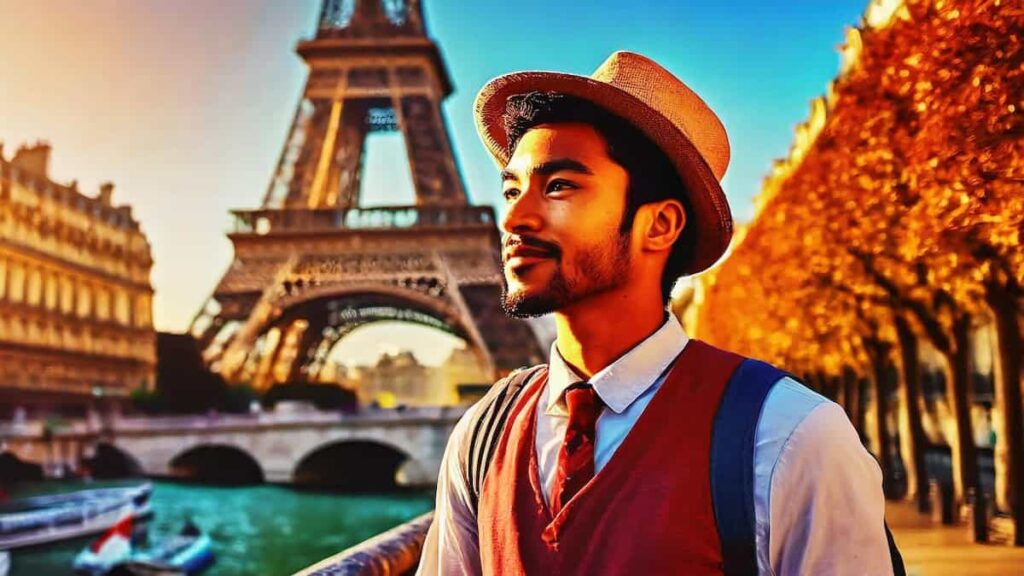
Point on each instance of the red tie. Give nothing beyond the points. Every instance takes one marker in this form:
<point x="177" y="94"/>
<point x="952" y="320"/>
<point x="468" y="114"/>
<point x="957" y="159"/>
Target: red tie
<point x="576" y="457"/>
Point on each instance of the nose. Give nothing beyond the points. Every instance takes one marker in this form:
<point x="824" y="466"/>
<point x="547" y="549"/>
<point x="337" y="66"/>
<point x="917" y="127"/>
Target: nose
<point x="522" y="214"/>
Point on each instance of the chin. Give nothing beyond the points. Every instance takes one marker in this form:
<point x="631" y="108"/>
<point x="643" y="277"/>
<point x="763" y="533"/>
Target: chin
<point x="513" y="283"/>
<point x="528" y="293"/>
<point x="520" y="306"/>
<point x="518" y="301"/>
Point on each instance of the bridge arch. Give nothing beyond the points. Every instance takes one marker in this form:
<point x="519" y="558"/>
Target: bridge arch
<point x="110" y="461"/>
<point x="216" y="464"/>
<point x="14" y="469"/>
<point x="352" y="465"/>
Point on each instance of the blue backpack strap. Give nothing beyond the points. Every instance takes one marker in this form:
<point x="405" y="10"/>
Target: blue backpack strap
<point x="732" y="463"/>
<point x="732" y="467"/>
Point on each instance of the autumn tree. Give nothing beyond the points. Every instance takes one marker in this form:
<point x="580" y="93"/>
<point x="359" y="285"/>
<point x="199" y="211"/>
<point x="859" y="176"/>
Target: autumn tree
<point x="897" y="216"/>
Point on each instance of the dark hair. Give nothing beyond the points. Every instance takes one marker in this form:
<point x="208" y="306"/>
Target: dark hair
<point x="652" y="177"/>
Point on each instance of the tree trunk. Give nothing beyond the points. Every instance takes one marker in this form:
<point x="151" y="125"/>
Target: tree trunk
<point x="1008" y="388"/>
<point x="880" y="365"/>
<point x="821" y="381"/>
<point x="847" y="379"/>
<point x="853" y="406"/>
<point x="911" y="398"/>
<point x="835" y="388"/>
<point x="810" y="379"/>
<point x="958" y="360"/>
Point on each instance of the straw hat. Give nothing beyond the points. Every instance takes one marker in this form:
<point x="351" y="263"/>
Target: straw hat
<point x="643" y="93"/>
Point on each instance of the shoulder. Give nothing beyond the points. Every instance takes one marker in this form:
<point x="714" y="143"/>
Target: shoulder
<point x="787" y="406"/>
<point x="827" y="436"/>
<point x="801" y="429"/>
<point x="822" y="506"/>
<point x="809" y="462"/>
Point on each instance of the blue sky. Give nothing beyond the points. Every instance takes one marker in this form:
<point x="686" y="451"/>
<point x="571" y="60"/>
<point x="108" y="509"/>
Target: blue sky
<point x="185" y="105"/>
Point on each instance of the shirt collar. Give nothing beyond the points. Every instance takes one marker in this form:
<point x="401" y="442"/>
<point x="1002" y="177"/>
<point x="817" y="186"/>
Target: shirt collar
<point x="622" y="381"/>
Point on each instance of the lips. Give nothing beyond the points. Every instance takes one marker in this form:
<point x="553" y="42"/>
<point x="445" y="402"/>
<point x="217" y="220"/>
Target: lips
<point x="520" y="261"/>
<point x="523" y="251"/>
<point x="526" y="252"/>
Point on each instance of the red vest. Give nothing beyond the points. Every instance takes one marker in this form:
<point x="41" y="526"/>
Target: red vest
<point x="648" y="511"/>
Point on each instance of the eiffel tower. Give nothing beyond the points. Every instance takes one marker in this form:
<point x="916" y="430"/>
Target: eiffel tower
<point x="311" y="265"/>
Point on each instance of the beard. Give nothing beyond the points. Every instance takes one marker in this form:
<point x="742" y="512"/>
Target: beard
<point x="597" y="270"/>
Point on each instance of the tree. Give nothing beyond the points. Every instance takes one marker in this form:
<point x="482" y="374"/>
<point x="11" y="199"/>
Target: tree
<point x="897" y="216"/>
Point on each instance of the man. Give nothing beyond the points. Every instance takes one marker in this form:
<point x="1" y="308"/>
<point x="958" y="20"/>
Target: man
<point x="601" y="465"/>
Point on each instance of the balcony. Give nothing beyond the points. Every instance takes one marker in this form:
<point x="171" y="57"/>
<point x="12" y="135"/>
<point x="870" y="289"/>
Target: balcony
<point x="300" y="221"/>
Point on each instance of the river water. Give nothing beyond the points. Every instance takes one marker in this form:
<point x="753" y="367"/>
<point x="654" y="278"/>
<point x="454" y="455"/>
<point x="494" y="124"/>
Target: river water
<point x="260" y="530"/>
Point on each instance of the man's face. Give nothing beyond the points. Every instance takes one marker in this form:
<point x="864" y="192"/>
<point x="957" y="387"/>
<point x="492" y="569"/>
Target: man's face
<point x="565" y="200"/>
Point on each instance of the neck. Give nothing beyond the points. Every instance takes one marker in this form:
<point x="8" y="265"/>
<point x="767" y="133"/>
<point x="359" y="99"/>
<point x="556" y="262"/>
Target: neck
<point x="594" y="333"/>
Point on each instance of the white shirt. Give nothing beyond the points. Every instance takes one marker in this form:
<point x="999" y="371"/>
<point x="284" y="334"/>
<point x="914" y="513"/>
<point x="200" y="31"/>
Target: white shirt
<point x="818" y="502"/>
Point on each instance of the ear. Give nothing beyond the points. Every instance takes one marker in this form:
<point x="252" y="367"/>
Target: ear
<point x="664" y="222"/>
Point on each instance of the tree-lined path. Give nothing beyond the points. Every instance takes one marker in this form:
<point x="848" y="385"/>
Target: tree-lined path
<point x="884" y="264"/>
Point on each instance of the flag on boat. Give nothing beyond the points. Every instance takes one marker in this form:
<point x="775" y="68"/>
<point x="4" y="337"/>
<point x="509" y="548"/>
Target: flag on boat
<point x="114" y="546"/>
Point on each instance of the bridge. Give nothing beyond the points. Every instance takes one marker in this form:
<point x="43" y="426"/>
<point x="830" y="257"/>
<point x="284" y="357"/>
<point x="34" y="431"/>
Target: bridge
<point x="369" y="449"/>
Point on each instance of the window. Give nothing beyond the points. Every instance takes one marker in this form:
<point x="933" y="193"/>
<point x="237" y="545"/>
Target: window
<point x="51" y="291"/>
<point x="67" y="295"/>
<point x="84" y="301"/>
<point x="35" y="287"/>
<point x="17" y="287"/>
<point x="122" y="309"/>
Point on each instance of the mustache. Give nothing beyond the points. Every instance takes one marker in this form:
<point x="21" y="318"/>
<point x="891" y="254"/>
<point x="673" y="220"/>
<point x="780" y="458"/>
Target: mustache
<point x="511" y="242"/>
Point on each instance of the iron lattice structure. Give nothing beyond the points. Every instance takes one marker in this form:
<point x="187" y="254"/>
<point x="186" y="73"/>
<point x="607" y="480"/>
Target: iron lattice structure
<point x="311" y="264"/>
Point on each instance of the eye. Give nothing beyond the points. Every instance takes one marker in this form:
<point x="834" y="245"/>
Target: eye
<point x="510" y="193"/>
<point x="559" y="185"/>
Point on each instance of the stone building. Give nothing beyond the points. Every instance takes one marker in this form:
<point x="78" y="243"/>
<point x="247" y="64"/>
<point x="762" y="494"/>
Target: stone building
<point x="75" y="296"/>
<point x="400" y="378"/>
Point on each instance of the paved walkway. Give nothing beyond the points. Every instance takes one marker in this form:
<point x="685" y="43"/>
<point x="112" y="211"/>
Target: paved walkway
<point x="930" y="549"/>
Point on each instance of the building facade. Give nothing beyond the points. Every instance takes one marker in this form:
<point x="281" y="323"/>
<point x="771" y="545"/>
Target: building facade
<point x="400" y="379"/>
<point x="76" y="329"/>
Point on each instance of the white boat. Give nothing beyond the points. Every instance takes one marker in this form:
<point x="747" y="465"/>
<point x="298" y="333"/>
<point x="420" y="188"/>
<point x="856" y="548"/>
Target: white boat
<point x="5" y="562"/>
<point x="186" y="553"/>
<point x="112" y="548"/>
<point x="190" y="552"/>
<point x="47" y="519"/>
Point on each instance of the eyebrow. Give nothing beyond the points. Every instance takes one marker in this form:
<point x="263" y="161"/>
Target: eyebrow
<point x="549" y="168"/>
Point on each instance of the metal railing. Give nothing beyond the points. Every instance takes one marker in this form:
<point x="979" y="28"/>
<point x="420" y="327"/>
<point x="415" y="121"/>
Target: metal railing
<point x="391" y="553"/>
<point x="260" y="222"/>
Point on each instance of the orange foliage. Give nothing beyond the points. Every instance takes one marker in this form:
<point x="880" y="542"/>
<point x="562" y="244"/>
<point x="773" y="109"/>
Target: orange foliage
<point x="911" y="198"/>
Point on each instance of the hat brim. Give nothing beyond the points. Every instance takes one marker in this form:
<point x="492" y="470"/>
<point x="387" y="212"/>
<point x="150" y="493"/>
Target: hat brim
<point x="709" y="209"/>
